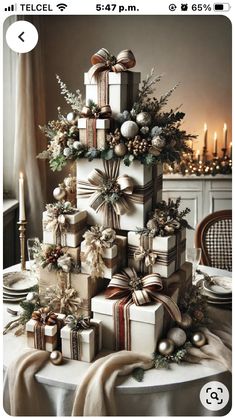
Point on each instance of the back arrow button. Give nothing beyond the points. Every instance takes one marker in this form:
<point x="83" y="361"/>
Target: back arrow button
<point x="20" y="36"/>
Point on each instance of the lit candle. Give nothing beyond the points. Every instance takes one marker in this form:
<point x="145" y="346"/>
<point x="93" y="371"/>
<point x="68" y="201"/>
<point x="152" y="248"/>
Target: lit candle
<point x="21" y="199"/>
<point x="215" y="143"/>
<point x="231" y="151"/>
<point x="198" y="155"/>
<point x="225" y="135"/>
<point x="205" y="135"/>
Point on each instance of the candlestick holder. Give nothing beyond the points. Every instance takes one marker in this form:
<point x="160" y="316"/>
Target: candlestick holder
<point x="22" y="229"/>
<point x="224" y="150"/>
<point x="215" y="155"/>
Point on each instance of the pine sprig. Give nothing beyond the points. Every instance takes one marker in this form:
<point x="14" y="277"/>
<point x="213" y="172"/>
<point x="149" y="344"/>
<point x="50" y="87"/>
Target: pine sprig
<point x="73" y="99"/>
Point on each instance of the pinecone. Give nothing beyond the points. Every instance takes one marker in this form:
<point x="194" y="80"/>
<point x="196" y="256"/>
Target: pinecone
<point x="137" y="145"/>
<point x="113" y="138"/>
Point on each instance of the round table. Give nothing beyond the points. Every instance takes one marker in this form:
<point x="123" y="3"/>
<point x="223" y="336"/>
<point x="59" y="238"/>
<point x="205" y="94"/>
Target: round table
<point x="162" y="392"/>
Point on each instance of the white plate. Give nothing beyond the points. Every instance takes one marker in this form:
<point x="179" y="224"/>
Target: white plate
<point x="219" y="285"/>
<point x="13" y="300"/>
<point x="18" y="281"/>
<point x="219" y="303"/>
<point x="9" y="293"/>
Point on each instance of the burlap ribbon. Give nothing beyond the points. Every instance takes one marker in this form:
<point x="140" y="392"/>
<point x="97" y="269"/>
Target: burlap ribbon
<point x="42" y="317"/>
<point x="58" y="225"/>
<point x="141" y="290"/>
<point x="104" y="61"/>
<point x="111" y="194"/>
<point x="64" y="297"/>
<point x="96" y="242"/>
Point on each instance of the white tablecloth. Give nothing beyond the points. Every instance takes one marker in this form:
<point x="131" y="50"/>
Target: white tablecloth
<point x="162" y="393"/>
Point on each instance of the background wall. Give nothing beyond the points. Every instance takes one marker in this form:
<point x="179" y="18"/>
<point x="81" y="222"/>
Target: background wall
<point x="195" y="51"/>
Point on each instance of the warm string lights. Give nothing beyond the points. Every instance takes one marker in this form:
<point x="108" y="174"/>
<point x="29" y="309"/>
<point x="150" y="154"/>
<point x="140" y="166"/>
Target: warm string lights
<point x="203" y="164"/>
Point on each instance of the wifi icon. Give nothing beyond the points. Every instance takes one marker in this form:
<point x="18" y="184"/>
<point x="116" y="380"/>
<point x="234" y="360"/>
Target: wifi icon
<point x="61" y="6"/>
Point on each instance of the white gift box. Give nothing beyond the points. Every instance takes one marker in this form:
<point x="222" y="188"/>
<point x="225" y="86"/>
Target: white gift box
<point x="84" y="345"/>
<point x="122" y="90"/>
<point x="157" y="173"/>
<point x="88" y="137"/>
<point x="146" y="323"/>
<point x="73" y="236"/>
<point x="49" y="337"/>
<point x="170" y="256"/>
<point x="110" y="260"/>
<point x="142" y="179"/>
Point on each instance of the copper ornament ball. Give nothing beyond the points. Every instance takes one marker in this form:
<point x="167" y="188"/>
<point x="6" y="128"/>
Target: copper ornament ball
<point x="120" y="150"/>
<point x="198" y="339"/>
<point x="177" y="335"/>
<point x="143" y="119"/>
<point x="56" y="357"/>
<point x="166" y="347"/>
<point x="59" y="193"/>
<point x="186" y="321"/>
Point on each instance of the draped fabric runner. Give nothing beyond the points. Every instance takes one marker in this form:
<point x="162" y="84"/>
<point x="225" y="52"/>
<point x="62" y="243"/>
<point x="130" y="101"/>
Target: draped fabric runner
<point x="147" y="257"/>
<point x="111" y="194"/>
<point x="102" y="64"/>
<point x="128" y="287"/>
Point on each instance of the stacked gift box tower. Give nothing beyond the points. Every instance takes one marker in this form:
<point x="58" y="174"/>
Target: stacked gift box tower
<point x="95" y="264"/>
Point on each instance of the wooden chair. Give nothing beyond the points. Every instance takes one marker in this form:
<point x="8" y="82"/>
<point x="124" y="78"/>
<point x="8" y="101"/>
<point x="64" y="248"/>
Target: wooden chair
<point x="214" y="237"/>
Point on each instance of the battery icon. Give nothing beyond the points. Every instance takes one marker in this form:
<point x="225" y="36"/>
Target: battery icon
<point x="222" y="7"/>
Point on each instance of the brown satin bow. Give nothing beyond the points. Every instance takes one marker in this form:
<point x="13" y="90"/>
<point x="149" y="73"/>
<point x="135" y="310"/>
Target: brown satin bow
<point x="45" y="316"/>
<point x="141" y="290"/>
<point x="98" y="112"/>
<point x="104" y="61"/>
<point x="77" y="324"/>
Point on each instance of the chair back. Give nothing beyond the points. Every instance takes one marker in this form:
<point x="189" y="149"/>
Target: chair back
<point x="214" y="237"/>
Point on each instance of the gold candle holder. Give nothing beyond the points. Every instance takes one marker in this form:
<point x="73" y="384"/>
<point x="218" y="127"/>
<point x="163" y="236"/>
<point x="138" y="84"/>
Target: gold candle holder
<point x="22" y="229"/>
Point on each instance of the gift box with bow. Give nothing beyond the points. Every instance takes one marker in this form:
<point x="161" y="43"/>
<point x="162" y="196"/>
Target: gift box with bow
<point x="43" y="329"/>
<point x="162" y="255"/>
<point x="109" y="81"/>
<point x="113" y="194"/>
<point x="81" y="339"/>
<point x="132" y="311"/>
<point x="99" y="252"/>
<point x="53" y="284"/>
<point x="64" y="229"/>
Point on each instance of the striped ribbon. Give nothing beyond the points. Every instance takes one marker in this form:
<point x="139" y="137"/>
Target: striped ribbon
<point x="130" y="288"/>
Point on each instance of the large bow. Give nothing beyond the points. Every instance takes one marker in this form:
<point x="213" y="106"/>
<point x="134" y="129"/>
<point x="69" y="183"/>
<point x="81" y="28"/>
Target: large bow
<point x="77" y="324"/>
<point x="109" y="193"/>
<point x="97" y="239"/>
<point x="63" y="297"/>
<point x="104" y="61"/>
<point x="141" y="290"/>
<point x="148" y="256"/>
<point x="44" y="316"/>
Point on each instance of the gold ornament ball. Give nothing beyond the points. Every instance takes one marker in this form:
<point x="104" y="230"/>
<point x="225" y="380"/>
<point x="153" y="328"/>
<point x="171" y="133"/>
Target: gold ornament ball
<point x="129" y="129"/>
<point x="59" y="193"/>
<point x="166" y="347"/>
<point x="177" y="335"/>
<point x="143" y="119"/>
<point x="56" y="357"/>
<point x="120" y="150"/>
<point x="198" y="339"/>
<point x="186" y="321"/>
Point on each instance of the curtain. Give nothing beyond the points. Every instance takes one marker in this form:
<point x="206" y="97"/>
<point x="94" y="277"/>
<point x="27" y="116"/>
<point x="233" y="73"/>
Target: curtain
<point x="29" y="113"/>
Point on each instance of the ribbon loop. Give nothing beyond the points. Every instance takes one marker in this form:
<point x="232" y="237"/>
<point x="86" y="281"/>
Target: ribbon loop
<point x="104" y="61"/>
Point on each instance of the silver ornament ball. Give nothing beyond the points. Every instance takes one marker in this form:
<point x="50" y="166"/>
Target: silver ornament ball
<point x="166" y="347"/>
<point x="158" y="142"/>
<point x="120" y="150"/>
<point x="186" y="321"/>
<point x="59" y="193"/>
<point x="143" y="119"/>
<point x="56" y="357"/>
<point x="129" y="129"/>
<point x="177" y="335"/>
<point x="71" y="116"/>
<point x="198" y="339"/>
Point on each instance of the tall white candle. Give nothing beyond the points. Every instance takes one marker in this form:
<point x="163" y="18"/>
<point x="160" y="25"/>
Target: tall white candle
<point x="205" y="135"/>
<point x="22" y="216"/>
<point x="198" y="155"/>
<point x="225" y="135"/>
<point x="215" y="142"/>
